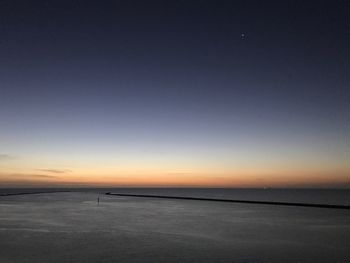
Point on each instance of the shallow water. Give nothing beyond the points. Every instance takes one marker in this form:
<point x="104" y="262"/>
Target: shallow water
<point x="72" y="227"/>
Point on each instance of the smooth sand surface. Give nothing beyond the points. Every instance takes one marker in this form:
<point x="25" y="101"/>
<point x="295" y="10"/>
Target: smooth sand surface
<point x="71" y="227"/>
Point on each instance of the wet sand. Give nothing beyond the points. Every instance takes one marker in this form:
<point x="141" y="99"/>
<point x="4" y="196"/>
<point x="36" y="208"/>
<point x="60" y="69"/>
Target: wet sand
<point x="72" y="227"/>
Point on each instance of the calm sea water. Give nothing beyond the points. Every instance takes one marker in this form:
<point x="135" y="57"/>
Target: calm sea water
<point x="74" y="227"/>
<point x="315" y="196"/>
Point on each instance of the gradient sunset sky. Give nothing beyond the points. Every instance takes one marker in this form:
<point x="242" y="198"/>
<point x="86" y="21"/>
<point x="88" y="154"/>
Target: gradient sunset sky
<point x="175" y="93"/>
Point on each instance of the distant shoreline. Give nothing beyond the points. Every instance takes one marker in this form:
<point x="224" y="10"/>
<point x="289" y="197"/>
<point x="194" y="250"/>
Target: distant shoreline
<point x="33" y="193"/>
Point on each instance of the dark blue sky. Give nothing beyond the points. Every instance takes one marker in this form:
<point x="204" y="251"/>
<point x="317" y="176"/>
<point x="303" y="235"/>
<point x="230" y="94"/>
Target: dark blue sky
<point x="205" y="80"/>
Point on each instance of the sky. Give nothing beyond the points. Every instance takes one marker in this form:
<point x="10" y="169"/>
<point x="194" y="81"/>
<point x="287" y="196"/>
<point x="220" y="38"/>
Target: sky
<point x="175" y="93"/>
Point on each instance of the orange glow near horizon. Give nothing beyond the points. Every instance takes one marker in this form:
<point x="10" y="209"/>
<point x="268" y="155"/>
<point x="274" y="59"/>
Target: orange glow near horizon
<point x="171" y="171"/>
<point x="148" y="178"/>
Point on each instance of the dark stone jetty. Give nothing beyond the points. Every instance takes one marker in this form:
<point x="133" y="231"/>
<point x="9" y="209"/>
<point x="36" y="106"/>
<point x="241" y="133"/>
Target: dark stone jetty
<point x="236" y="201"/>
